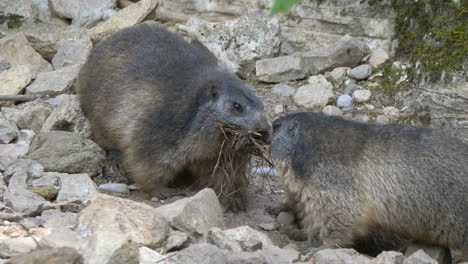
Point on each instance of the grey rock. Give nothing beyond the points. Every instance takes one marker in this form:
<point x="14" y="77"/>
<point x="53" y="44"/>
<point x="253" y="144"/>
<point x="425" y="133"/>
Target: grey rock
<point x="332" y="110"/>
<point x="30" y="115"/>
<point x="4" y="64"/>
<point x="362" y="96"/>
<point x="361" y="118"/>
<point x="346" y="52"/>
<point x="105" y="247"/>
<point x="71" y="52"/>
<point x="68" y="116"/>
<point x="251" y="42"/>
<point x="14" y="80"/>
<point x="280" y="69"/>
<point x="137" y="222"/>
<point x="25" y="136"/>
<point x="202" y="253"/>
<point x="19" y="173"/>
<point x="61" y="255"/>
<point x="312" y="95"/>
<point x="76" y="187"/>
<point x="8" y="131"/>
<point x="269" y="226"/>
<point x="441" y="255"/>
<point x="114" y="187"/>
<point x="285" y="218"/>
<point x="129" y="16"/>
<point x="175" y="240"/>
<point x="62" y="237"/>
<point x="278" y="109"/>
<point x="11" y="153"/>
<point x="54" y="82"/>
<point x="217" y="237"/>
<point x="282" y="89"/>
<point x="83" y="13"/>
<point x="274" y="254"/>
<point x="388" y="257"/>
<point x="339" y="256"/>
<point x="18" y="13"/>
<point x="18" y="51"/>
<point x="15" y="246"/>
<point x="44" y="38"/>
<point x="67" y="152"/>
<point x="337" y="76"/>
<point x="194" y="215"/>
<point x="445" y="107"/>
<point x="257" y="257"/>
<point x="249" y="239"/>
<point x="25" y="202"/>
<point x="345" y="101"/>
<point x="45" y="179"/>
<point x="361" y="72"/>
<point x="57" y="219"/>
<point x="147" y="256"/>
<point x="381" y="119"/>
<point x="419" y="257"/>
<point x="391" y="113"/>
<point x="320" y="78"/>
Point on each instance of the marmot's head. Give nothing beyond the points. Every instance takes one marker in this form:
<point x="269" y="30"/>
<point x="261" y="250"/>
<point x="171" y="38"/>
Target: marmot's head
<point x="284" y="138"/>
<point x="231" y="102"/>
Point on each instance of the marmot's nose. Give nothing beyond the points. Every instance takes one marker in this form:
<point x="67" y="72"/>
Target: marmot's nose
<point x="262" y="125"/>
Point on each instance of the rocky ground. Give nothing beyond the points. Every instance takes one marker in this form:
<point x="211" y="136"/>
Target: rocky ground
<point x="59" y="206"/>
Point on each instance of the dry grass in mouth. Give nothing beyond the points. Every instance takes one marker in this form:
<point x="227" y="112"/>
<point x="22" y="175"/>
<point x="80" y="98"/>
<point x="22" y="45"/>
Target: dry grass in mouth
<point x="239" y="147"/>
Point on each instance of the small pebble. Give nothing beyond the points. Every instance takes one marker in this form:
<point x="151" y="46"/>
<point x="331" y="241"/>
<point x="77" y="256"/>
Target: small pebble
<point x="345" y="101"/>
<point x="285" y="218"/>
<point x="114" y="187"/>
<point x="278" y="109"/>
<point x="361" y="72"/>
<point x="381" y="119"/>
<point x="362" y="96"/>
<point x="332" y="110"/>
<point x="269" y="226"/>
<point x="391" y="112"/>
<point x="361" y="118"/>
<point x="282" y="89"/>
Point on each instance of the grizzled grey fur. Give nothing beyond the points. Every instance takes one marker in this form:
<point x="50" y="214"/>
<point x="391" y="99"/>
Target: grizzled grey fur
<point x="348" y="179"/>
<point x="154" y="97"/>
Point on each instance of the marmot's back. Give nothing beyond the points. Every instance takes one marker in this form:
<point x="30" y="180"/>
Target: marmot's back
<point x="138" y="68"/>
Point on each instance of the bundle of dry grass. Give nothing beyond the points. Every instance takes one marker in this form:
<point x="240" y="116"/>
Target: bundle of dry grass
<point x="238" y="144"/>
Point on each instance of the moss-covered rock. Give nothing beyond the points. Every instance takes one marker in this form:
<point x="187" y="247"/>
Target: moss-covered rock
<point x="434" y="34"/>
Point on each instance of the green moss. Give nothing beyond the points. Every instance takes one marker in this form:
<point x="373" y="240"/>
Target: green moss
<point x="433" y="33"/>
<point x="12" y="20"/>
<point x="392" y="80"/>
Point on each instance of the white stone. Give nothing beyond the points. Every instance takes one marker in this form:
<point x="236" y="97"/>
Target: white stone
<point x="312" y="95"/>
<point x="332" y="110"/>
<point x="362" y="96"/>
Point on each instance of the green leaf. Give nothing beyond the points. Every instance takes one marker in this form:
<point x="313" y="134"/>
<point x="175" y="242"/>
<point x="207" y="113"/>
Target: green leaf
<point x="282" y="6"/>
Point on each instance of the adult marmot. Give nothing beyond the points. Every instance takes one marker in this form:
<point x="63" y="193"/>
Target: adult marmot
<point x="158" y="100"/>
<point x="349" y="178"/>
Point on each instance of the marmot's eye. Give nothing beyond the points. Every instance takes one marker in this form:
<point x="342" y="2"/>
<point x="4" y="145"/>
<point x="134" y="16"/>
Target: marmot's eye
<point x="238" y="107"/>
